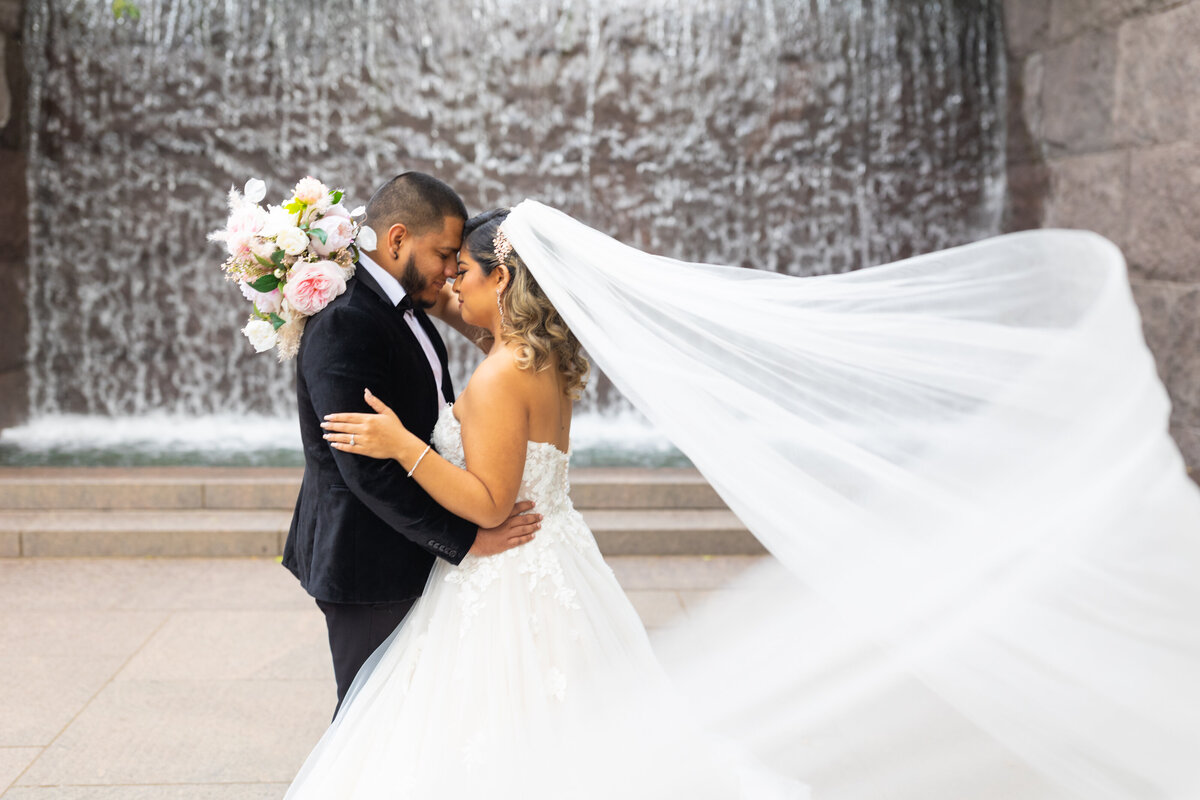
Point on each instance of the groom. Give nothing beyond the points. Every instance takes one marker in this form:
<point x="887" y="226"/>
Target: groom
<point x="364" y="536"/>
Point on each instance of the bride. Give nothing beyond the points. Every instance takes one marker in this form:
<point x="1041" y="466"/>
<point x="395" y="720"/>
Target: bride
<point x="986" y="542"/>
<point x="505" y="657"/>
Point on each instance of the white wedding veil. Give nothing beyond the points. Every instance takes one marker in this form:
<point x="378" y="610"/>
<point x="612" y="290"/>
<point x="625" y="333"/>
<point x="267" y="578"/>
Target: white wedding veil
<point x="988" y="580"/>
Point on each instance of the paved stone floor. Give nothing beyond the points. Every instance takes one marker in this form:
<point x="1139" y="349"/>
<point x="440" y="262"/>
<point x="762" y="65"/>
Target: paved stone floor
<point x="196" y="679"/>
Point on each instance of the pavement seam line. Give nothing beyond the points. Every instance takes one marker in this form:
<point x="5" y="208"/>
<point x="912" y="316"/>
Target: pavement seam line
<point x="89" y="701"/>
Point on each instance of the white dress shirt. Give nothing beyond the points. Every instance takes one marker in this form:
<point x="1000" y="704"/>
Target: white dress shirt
<point x="395" y="293"/>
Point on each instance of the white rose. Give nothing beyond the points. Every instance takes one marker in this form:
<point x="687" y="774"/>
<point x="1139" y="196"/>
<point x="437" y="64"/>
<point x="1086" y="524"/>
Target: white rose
<point x="292" y="240"/>
<point x="277" y="220"/>
<point x="261" y="334"/>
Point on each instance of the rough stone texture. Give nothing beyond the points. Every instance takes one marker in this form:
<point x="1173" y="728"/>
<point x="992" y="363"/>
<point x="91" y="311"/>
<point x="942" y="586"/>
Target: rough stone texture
<point x="1078" y="92"/>
<point x="10" y="15"/>
<point x="1158" y="82"/>
<point x="1028" y="24"/>
<point x="1171" y="320"/>
<point x="5" y="92"/>
<point x="1089" y="192"/>
<point x="1163" y="212"/>
<point x="1104" y="125"/>
<point x="14" y="210"/>
<point x="1028" y="187"/>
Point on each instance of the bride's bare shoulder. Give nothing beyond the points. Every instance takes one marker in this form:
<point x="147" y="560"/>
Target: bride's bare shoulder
<point x="499" y="377"/>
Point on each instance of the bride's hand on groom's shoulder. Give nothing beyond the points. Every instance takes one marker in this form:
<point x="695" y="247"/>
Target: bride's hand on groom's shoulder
<point x="379" y="435"/>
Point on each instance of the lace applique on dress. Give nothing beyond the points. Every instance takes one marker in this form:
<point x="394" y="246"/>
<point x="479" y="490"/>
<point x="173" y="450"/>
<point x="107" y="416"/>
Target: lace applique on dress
<point x="546" y="482"/>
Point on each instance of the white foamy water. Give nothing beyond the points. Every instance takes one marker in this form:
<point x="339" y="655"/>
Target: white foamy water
<point x="623" y="438"/>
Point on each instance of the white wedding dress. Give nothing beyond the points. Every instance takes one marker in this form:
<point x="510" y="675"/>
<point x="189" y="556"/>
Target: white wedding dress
<point x="497" y="680"/>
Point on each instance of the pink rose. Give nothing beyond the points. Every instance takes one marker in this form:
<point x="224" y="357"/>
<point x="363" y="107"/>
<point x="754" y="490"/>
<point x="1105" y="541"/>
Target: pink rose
<point x="247" y="219"/>
<point x="310" y="190"/>
<point x="267" y="302"/>
<point x="243" y="225"/>
<point x="312" y="285"/>
<point x="238" y="243"/>
<point x="339" y="232"/>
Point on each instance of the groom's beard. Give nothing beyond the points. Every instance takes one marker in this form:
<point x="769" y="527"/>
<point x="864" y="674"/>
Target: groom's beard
<point x="413" y="283"/>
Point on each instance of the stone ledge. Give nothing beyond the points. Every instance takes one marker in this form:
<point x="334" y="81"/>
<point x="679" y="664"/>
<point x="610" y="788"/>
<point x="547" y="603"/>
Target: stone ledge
<point x="253" y="489"/>
<point x="262" y="533"/>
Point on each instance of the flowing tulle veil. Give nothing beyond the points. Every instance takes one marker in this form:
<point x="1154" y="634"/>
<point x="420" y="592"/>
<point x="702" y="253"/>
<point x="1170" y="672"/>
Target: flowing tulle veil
<point x="988" y="548"/>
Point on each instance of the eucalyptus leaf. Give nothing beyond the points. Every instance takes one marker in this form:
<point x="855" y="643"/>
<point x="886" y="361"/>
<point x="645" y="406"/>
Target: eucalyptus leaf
<point x="265" y="283"/>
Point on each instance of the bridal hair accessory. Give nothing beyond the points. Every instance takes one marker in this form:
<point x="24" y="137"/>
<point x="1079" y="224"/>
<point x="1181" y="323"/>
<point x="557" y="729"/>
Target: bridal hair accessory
<point x="290" y="260"/>
<point x="501" y="246"/>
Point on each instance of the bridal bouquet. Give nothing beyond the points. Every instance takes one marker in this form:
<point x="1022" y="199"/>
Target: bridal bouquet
<point x="290" y="260"/>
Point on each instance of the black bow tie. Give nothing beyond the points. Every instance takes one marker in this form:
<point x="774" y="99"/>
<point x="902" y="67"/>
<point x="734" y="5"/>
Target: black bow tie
<point x="406" y="304"/>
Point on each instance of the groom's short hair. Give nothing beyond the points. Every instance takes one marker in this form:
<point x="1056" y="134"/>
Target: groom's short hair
<point x="421" y="202"/>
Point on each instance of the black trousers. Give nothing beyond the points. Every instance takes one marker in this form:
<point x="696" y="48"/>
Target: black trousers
<point x="355" y="631"/>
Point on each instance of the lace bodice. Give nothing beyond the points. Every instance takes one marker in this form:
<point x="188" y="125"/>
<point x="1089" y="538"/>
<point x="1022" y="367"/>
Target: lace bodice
<point x="538" y="565"/>
<point x="546" y="480"/>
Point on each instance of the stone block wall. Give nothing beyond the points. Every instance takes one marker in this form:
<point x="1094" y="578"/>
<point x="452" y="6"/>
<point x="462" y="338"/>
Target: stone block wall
<point x="14" y="211"/>
<point x="1104" y="134"/>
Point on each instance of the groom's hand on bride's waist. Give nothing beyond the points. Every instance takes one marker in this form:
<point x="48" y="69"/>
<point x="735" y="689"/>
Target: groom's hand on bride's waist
<point x="514" y="531"/>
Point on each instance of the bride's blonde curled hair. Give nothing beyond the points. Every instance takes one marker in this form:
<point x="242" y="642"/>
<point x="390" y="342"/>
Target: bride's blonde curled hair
<point x="531" y="322"/>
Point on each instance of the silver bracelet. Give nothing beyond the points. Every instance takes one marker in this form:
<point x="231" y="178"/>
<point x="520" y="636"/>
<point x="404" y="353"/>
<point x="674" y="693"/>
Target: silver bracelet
<point x="423" y="452"/>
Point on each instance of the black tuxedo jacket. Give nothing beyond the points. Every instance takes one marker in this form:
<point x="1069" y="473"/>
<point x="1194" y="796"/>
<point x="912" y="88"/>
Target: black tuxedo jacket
<point x="362" y="531"/>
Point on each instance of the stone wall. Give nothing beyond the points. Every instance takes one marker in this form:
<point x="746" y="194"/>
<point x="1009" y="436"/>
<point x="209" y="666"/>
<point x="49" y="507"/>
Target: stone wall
<point x="14" y="212"/>
<point x="1104" y="134"/>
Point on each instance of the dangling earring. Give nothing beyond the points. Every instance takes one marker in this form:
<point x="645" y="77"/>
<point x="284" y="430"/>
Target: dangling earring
<point x="500" y="306"/>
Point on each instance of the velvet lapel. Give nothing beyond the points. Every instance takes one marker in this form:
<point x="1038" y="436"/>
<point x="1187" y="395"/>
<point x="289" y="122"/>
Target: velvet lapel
<point x="409" y="338"/>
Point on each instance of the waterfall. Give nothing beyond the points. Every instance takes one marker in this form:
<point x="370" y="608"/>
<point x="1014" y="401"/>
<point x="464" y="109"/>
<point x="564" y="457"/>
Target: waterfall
<point x="802" y="135"/>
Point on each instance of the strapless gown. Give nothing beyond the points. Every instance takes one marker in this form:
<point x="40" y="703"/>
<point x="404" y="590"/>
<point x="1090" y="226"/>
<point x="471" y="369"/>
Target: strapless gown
<point x="525" y="674"/>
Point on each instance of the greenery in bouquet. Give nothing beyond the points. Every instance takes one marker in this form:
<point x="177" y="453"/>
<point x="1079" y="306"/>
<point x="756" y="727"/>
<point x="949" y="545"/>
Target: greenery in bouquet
<point x="290" y="260"/>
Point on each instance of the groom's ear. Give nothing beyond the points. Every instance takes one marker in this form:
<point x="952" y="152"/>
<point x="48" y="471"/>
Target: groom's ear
<point x="396" y="236"/>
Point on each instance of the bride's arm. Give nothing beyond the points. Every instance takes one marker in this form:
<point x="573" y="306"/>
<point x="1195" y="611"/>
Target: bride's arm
<point x="447" y="310"/>
<point x="495" y="440"/>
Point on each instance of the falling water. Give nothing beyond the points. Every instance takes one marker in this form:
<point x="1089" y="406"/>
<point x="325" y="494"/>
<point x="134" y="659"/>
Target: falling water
<point x="808" y="136"/>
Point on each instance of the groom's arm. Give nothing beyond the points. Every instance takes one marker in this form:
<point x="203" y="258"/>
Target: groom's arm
<point x="348" y="356"/>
